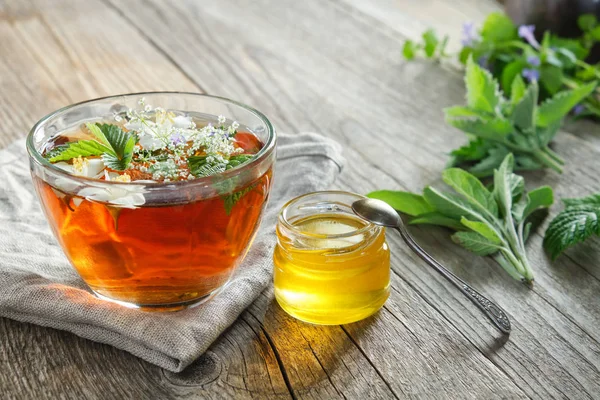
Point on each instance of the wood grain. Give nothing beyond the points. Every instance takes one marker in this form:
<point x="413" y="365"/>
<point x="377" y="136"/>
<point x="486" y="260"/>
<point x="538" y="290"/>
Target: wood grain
<point x="333" y="67"/>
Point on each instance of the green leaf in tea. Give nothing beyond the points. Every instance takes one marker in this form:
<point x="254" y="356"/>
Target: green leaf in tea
<point x="232" y="199"/>
<point x="81" y="148"/>
<point x="118" y="142"/>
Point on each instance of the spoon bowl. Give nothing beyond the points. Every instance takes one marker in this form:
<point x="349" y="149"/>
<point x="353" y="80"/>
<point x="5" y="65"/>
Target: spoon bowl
<point x="377" y="211"/>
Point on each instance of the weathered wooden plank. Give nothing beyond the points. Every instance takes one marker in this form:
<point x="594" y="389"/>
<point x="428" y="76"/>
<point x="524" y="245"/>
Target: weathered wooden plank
<point x="388" y="115"/>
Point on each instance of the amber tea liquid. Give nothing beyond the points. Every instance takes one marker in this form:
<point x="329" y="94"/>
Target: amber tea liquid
<point x="156" y="254"/>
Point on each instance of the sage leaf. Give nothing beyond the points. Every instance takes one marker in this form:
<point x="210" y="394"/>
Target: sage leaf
<point x="475" y="243"/>
<point x="484" y="229"/>
<point x="436" y="218"/>
<point x="405" y="202"/>
<point x="472" y="189"/>
<point x="542" y="197"/>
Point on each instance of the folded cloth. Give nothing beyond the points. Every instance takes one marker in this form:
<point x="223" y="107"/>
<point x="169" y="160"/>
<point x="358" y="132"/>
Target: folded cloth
<point x="39" y="286"/>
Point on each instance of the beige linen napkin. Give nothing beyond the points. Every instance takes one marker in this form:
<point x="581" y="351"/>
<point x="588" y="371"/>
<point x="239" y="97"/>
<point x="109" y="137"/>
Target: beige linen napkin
<point x="37" y="284"/>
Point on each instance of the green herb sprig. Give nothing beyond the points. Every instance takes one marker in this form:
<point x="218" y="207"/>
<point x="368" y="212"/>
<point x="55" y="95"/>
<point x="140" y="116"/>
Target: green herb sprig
<point x="488" y="222"/>
<point x="508" y="51"/>
<point x="112" y="143"/>
<point x="497" y="126"/>
<point x="579" y="221"/>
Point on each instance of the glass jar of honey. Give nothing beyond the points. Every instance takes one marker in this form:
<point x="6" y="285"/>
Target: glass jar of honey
<point x="331" y="266"/>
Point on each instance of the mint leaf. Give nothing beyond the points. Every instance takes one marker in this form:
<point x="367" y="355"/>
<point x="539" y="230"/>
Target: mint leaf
<point x="119" y="144"/>
<point x="431" y="41"/>
<point x="509" y="73"/>
<point x="435" y="218"/>
<point x="525" y="110"/>
<point x="586" y="22"/>
<point x="573" y="45"/>
<point x="200" y="167"/>
<point x="482" y="90"/>
<point x="232" y="199"/>
<point x="593" y="200"/>
<point x="472" y="190"/>
<point x="239" y="159"/>
<point x="517" y="90"/>
<point x="83" y="148"/>
<point x="554" y="109"/>
<point x="404" y="202"/>
<point x="551" y="77"/>
<point x="571" y="226"/>
<point x="409" y="50"/>
<point x="476" y="243"/>
<point x="490" y="161"/>
<point x="493" y="129"/>
<point x="462" y="112"/>
<point x="498" y="27"/>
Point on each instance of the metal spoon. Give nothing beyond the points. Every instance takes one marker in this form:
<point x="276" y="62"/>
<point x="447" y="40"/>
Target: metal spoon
<point x="381" y="213"/>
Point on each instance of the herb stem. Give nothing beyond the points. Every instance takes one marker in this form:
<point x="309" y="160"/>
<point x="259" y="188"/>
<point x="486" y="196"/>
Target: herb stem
<point x="547" y="160"/>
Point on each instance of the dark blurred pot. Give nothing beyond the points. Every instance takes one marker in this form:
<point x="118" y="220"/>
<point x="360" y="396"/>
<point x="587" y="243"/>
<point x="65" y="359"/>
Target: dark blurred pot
<point x="558" y="16"/>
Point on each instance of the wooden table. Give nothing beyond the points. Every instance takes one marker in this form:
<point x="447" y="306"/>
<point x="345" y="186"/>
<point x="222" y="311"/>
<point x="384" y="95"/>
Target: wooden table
<point x="333" y="67"/>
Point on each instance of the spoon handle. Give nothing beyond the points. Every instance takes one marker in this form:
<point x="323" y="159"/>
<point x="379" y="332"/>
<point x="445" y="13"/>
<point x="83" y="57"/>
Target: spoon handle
<point x="491" y="309"/>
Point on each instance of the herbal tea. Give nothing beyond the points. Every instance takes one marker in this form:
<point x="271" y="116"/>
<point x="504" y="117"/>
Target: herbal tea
<point x="145" y="249"/>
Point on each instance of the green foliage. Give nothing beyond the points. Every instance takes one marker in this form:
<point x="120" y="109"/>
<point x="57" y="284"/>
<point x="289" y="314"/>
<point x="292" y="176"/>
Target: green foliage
<point x="405" y="202"/>
<point x="498" y="28"/>
<point x="232" y="199"/>
<point x="497" y="126"/>
<point x="483" y="93"/>
<point x="238" y="159"/>
<point x="119" y="144"/>
<point x="488" y="222"/>
<point x="83" y="148"/>
<point x="200" y="167"/>
<point x="559" y="63"/>
<point x="430" y="46"/>
<point x="112" y="143"/>
<point x="578" y="221"/>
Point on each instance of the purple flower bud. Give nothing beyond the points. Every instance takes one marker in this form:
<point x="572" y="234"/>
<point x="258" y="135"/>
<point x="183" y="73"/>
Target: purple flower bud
<point x="534" y="61"/>
<point x="484" y="62"/>
<point x="526" y="32"/>
<point x="469" y="34"/>
<point x="578" y="109"/>
<point x="177" y="138"/>
<point x="531" y="74"/>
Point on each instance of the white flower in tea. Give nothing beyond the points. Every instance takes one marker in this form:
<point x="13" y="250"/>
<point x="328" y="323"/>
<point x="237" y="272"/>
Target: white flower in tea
<point x="152" y="143"/>
<point x="120" y="195"/>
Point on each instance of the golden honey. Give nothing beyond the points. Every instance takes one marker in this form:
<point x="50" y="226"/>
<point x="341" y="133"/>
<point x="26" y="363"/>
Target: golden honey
<point x="331" y="267"/>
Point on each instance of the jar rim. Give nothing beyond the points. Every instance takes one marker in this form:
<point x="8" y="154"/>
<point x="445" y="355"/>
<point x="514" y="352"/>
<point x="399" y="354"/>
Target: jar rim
<point x="284" y="220"/>
<point x="268" y="147"/>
